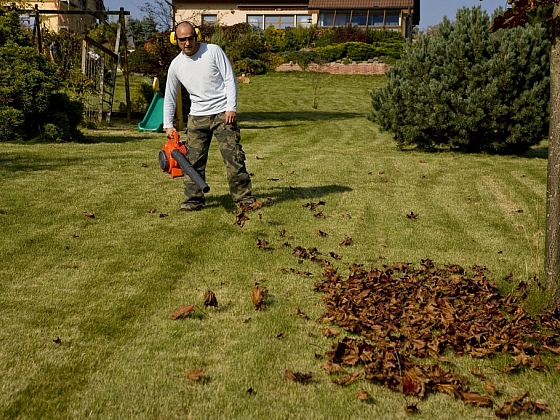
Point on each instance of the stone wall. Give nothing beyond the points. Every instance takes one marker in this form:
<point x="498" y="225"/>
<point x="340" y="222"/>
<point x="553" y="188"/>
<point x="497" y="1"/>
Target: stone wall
<point x="367" y="68"/>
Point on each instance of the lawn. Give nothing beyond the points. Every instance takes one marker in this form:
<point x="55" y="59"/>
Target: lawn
<point x="85" y="302"/>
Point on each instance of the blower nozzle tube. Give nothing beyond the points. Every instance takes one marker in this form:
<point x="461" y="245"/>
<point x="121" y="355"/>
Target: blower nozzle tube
<point x="189" y="170"/>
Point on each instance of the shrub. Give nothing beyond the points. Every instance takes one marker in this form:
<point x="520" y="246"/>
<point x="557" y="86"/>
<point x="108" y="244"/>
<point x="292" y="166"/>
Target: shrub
<point x="468" y="89"/>
<point x="246" y="46"/>
<point x="343" y="34"/>
<point x="249" y="66"/>
<point x="331" y="52"/>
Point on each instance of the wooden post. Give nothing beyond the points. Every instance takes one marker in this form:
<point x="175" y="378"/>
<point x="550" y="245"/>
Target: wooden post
<point x="38" y="26"/>
<point x="125" y="67"/>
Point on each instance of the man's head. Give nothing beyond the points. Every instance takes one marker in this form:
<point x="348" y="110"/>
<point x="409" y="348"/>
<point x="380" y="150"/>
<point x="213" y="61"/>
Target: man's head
<point x="186" y="38"/>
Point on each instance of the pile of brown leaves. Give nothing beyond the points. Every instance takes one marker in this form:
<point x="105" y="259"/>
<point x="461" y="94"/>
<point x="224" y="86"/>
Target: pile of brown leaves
<point x="405" y="314"/>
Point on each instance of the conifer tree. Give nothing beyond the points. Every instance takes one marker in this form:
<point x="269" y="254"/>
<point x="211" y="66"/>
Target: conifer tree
<point x="466" y="88"/>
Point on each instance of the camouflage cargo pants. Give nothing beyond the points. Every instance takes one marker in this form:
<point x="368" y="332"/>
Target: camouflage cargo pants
<point x="199" y="135"/>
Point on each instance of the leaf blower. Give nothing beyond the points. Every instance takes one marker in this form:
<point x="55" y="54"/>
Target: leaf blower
<point x="173" y="160"/>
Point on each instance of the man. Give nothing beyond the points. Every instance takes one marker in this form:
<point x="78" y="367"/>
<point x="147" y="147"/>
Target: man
<point x="206" y="73"/>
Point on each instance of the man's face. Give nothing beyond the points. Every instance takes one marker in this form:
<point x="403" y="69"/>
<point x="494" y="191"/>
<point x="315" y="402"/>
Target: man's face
<point x="186" y="39"/>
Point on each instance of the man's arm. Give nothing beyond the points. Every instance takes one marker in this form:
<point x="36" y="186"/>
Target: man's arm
<point x="229" y="80"/>
<point x="170" y="101"/>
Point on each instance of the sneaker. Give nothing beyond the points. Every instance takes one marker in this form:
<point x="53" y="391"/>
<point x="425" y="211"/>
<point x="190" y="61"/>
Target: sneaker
<point x="191" y="207"/>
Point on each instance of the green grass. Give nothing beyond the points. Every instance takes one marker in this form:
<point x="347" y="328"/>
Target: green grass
<point x="107" y="286"/>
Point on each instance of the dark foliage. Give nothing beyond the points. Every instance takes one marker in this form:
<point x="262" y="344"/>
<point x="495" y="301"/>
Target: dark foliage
<point x="468" y="89"/>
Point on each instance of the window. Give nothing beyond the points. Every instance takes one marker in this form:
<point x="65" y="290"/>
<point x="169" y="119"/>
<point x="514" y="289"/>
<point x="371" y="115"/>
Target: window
<point x="279" y="21"/>
<point x="359" y="18"/>
<point x="255" y="20"/>
<point x="209" y="20"/>
<point x="375" y="19"/>
<point x="392" y="18"/>
<point x="342" y="18"/>
<point x="326" y="19"/>
<point x="303" y="21"/>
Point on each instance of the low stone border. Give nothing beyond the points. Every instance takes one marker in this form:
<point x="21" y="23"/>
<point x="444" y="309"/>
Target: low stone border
<point x="339" y="68"/>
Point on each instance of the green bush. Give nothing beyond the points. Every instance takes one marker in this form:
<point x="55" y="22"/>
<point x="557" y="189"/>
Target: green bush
<point x="468" y="89"/>
<point x="331" y="52"/>
<point x="29" y="97"/>
<point x="141" y="61"/>
<point x="246" y="46"/>
<point x="249" y="66"/>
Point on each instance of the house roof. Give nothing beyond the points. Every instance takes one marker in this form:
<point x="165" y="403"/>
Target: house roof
<point x="359" y="4"/>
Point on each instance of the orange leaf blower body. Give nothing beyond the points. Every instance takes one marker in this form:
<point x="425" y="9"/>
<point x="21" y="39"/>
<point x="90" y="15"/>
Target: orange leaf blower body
<point x="173" y="160"/>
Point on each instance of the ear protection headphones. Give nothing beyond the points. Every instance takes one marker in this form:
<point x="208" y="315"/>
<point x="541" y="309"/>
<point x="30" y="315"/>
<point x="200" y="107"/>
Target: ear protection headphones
<point x="173" y="35"/>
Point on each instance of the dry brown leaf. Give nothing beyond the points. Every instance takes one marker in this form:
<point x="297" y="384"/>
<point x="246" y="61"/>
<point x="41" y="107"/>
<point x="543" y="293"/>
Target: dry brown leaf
<point x="476" y="399"/>
<point x="490" y="387"/>
<point x="411" y="409"/>
<point x="240" y="219"/>
<point x="258" y="295"/>
<point x="151" y="211"/>
<point x="89" y="214"/>
<point x="321" y="233"/>
<point x="362" y="395"/>
<point x="348" y="379"/>
<point x="195" y="374"/>
<point x="477" y="372"/>
<point x="298" y="376"/>
<point x="412" y="216"/>
<point x="330" y="332"/>
<point x="251" y="206"/>
<point x="262" y="243"/>
<point x="331" y="368"/>
<point x="300" y="313"/>
<point x="182" y="311"/>
<point x="346" y="241"/>
<point x="210" y="299"/>
<point x="319" y="215"/>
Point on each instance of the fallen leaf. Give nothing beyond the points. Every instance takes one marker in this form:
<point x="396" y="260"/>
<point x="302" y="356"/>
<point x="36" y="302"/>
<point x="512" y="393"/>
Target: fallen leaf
<point x="251" y="391"/>
<point x="362" y="395"/>
<point x="476" y="399"/>
<point x="195" y="374"/>
<point x="274" y="179"/>
<point x="346" y="241"/>
<point x="298" y="376"/>
<point x="262" y="243"/>
<point x="89" y="214"/>
<point x="210" y="299"/>
<point x="57" y="340"/>
<point x="321" y="233"/>
<point x="161" y="215"/>
<point x="490" y="387"/>
<point x="319" y="215"/>
<point x="240" y="219"/>
<point x="331" y="368"/>
<point x="151" y="211"/>
<point x="330" y="332"/>
<point x="477" y="372"/>
<point x="143" y="165"/>
<point x="348" y="379"/>
<point x="258" y="295"/>
<point x="300" y="313"/>
<point x="182" y="311"/>
<point x="335" y="255"/>
<point x="255" y="205"/>
<point x="411" y="409"/>
<point x="412" y="216"/>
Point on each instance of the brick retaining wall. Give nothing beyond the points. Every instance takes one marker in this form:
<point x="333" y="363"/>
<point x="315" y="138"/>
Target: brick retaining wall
<point x="339" y="68"/>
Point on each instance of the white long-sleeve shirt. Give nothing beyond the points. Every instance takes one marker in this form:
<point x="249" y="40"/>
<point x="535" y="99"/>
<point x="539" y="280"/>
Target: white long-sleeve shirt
<point x="208" y="77"/>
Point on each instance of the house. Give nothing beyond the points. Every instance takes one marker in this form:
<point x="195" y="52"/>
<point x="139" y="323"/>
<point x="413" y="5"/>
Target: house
<point x="396" y="15"/>
<point x="55" y="22"/>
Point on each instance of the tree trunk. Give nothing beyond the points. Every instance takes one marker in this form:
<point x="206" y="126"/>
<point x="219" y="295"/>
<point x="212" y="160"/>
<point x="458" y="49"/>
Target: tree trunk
<point x="552" y="245"/>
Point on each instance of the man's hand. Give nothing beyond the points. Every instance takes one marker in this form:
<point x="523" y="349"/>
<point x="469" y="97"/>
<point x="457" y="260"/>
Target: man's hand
<point x="230" y="117"/>
<point x="169" y="132"/>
